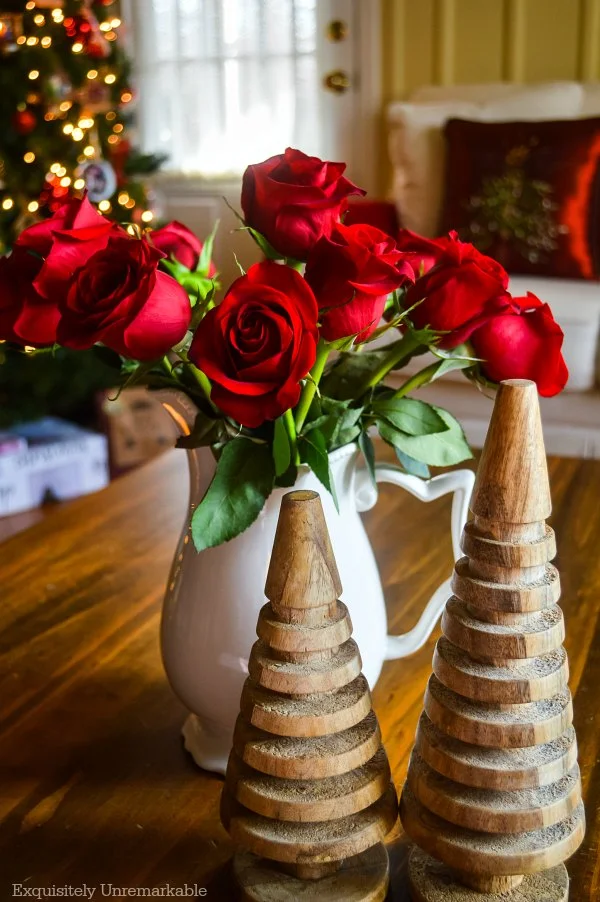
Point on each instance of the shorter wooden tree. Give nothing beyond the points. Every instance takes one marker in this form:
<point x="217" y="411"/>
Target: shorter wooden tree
<point x="493" y="794"/>
<point x="308" y="791"/>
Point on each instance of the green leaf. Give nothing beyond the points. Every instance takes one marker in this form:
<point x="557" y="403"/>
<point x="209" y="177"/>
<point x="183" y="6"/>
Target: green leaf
<point x="366" y="446"/>
<point x="282" y="454"/>
<point x="408" y="415"/>
<point x="339" y="423"/>
<point x="313" y="451"/>
<point x="440" y="449"/>
<point x="206" y="431"/>
<point x="350" y="372"/>
<point x="412" y="466"/>
<point x="267" y="249"/>
<point x="288" y="479"/>
<point x="207" y="251"/>
<point x="242" y="483"/>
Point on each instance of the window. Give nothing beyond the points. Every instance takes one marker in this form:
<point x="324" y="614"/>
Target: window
<point x="222" y="82"/>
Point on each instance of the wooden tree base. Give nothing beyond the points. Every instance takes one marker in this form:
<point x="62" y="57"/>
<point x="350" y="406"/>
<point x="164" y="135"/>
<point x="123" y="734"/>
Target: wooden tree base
<point x="432" y="881"/>
<point x="364" y="878"/>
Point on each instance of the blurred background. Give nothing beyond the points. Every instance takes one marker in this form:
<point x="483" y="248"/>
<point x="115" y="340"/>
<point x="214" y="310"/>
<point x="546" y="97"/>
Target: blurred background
<point x="155" y="107"/>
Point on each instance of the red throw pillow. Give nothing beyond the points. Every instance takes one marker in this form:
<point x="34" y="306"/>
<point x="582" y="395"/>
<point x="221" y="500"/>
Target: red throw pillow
<point x="527" y="193"/>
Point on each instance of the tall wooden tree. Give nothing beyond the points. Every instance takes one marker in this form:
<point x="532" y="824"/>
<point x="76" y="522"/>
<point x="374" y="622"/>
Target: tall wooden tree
<point x="493" y="795"/>
<point x="308" y="790"/>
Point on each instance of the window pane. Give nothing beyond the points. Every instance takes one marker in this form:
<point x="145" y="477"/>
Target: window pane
<point x="227" y="81"/>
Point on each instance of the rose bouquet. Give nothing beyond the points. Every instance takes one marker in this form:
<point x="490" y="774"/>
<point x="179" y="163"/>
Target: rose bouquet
<point x="297" y="358"/>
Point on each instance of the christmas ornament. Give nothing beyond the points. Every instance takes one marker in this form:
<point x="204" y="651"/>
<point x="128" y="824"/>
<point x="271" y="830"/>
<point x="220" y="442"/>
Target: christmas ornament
<point x="24" y="122"/>
<point x="493" y="792"/>
<point x="308" y="790"/>
<point x="85" y="30"/>
<point x="100" y="180"/>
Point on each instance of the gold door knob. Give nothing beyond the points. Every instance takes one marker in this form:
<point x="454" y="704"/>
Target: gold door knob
<point x="337" y="81"/>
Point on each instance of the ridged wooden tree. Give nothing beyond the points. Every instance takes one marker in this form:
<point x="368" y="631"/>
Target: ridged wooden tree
<point x="308" y="792"/>
<point x="493" y="795"/>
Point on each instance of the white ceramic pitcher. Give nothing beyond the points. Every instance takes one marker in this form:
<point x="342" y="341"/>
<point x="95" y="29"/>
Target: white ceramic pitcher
<point x="213" y="597"/>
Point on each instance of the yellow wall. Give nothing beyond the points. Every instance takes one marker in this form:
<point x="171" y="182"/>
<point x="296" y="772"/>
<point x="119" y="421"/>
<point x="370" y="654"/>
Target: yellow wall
<point x="457" y="41"/>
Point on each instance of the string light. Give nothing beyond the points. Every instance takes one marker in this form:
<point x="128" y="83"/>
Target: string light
<point x="110" y="79"/>
<point x="130" y="203"/>
<point x="104" y="206"/>
<point x="93" y="73"/>
<point x="110" y="36"/>
<point x="68" y="128"/>
<point x="30" y="4"/>
<point x="33" y="206"/>
<point x="46" y="41"/>
<point x="39" y="19"/>
<point x="131" y="230"/>
<point x="77" y="134"/>
<point x="110" y="116"/>
<point x="65" y="182"/>
<point x="123" y="198"/>
<point x="32" y="41"/>
<point x="55" y="167"/>
<point x="118" y="128"/>
<point x="78" y="184"/>
<point x="105" y="26"/>
<point x="49" y="117"/>
<point x="77" y="47"/>
<point x="29" y="157"/>
<point x="34" y="74"/>
<point x="21" y="39"/>
<point x="88" y="151"/>
<point x="65" y="106"/>
<point x="86" y="122"/>
<point x="147" y="216"/>
<point x="115" y="23"/>
<point x="113" y="139"/>
<point x="126" y="96"/>
<point x="57" y="15"/>
<point x="8" y="203"/>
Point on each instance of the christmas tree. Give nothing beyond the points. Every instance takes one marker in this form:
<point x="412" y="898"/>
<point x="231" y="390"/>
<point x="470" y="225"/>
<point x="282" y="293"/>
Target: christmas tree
<point x="65" y="103"/>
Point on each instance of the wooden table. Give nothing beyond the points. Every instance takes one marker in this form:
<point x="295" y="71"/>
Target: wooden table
<point x="95" y="786"/>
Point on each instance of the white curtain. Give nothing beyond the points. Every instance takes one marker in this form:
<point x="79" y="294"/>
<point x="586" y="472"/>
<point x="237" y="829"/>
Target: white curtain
<point x="222" y="82"/>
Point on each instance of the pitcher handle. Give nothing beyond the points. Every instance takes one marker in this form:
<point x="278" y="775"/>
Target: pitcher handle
<point x="460" y="484"/>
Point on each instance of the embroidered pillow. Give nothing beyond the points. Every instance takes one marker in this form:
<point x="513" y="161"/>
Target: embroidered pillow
<point x="527" y="193"/>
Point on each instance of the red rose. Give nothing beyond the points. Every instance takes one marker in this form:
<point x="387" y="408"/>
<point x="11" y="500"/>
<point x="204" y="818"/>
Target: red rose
<point x="293" y="200"/>
<point x="176" y="241"/>
<point x="120" y="298"/>
<point x="258" y="343"/>
<point x="352" y="273"/>
<point x="37" y="274"/>
<point x="25" y="316"/>
<point x="462" y="291"/>
<point x="523" y="342"/>
<point x="422" y="253"/>
<point x="67" y="240"/>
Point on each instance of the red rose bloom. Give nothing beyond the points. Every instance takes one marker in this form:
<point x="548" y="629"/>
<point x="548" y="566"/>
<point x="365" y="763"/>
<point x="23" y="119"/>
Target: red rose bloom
<point x="176" y="241"/>
<point x="25" y="316"/>
<point x="351" y="273"/>
<point x="293" y="200"/>
<point x="462" y="291"/>
<point x="67" y="240"/>
<point x="120" y="298"/>
<point x="258" y="343"/>
<point x="37" y="273"/>
<point x="523" y="342"/>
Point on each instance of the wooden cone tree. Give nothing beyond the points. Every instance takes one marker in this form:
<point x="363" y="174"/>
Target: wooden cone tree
<point x="308" y="790"/>
<point x="493" y="795"/>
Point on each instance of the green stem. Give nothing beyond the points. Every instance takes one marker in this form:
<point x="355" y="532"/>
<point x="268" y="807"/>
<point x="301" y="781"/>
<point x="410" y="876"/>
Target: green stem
<point x="203" y="382"/>
<point x="310" y="386"/>
<point x="401" y="353"/>
<point x="288" y="419"/>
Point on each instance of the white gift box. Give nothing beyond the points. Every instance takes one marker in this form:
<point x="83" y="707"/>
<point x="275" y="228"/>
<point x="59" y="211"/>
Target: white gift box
<point x="59" y="461"/>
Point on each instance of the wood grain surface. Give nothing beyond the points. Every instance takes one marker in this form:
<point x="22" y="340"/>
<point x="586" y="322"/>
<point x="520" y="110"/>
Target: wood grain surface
<point x="95" y="787"/>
